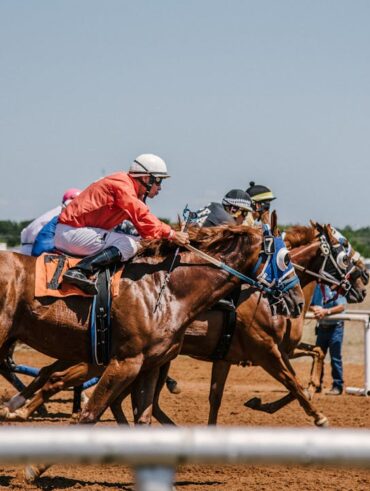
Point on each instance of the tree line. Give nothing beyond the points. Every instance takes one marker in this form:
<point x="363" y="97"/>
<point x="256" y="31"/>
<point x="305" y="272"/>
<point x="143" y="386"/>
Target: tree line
<point x="10" y="232"/>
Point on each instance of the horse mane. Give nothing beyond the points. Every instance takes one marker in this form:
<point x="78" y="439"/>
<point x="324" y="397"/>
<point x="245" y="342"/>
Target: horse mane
<point x="207" y="239"/>
<point x="299" y="235"/>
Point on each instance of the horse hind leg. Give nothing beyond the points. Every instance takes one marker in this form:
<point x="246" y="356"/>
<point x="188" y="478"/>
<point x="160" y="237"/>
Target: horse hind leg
<point x="116" y="377"/>
<point x="20" y="399"/>
<point x="158" y="412"/>
<point x="57" y="381"/>
<point x="142" y="396"/>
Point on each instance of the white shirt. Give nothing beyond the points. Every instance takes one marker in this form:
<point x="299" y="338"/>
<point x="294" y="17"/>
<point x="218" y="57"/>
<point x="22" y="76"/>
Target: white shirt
<point x="29" y="234"/>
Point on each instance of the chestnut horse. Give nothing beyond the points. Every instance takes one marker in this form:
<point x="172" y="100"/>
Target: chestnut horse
<point x="256" y="339"/>
<point x="261" y="339"/>
<point x="141" y="339"/>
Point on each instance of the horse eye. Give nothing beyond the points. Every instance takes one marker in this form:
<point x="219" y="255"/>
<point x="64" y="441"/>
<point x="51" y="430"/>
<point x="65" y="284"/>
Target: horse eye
<point x="283" y="259"/>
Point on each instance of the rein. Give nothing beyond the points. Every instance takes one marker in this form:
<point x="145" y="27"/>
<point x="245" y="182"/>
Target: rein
<point x="275" y="292"/>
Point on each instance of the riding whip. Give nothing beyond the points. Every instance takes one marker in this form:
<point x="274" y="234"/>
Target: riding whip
<point x="188" y="217"/>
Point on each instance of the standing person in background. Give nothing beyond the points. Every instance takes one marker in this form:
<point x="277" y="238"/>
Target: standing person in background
<point x="29" y="233"/>
<point x="261" y="197"/>
<point x="330" y="332"/>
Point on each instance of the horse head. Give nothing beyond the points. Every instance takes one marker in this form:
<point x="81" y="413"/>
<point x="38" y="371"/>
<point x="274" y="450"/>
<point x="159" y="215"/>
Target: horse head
<point x="351" y="265"/>
<point x="318" y="253"/>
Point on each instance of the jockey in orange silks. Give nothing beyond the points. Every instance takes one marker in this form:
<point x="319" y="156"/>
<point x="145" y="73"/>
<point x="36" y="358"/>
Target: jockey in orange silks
<point x="85" y="227"/>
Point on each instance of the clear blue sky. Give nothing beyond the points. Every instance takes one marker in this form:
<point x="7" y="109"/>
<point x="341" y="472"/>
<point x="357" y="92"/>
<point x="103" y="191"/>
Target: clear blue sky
<point x="225" y="92"/>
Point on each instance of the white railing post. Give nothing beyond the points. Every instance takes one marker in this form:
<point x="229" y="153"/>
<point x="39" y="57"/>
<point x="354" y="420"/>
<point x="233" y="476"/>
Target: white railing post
<point x="154" y="478"/>
<point x="362" y="316"/>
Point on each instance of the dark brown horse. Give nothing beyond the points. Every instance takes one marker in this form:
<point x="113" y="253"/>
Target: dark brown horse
<point x="256" y="340"/>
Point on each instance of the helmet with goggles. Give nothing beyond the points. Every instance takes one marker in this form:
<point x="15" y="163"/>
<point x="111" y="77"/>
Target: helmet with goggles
<point x="260" y="193"/>
<point x="148" y="164"/>
<point x="237" y="202"/>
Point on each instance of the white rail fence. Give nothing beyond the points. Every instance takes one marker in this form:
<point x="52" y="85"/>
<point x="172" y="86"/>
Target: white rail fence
<point x="155" y="452"/>
<point x="363" y="317"/>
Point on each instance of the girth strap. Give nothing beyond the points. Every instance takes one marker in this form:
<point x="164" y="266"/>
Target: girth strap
<point x="100" y="320"/>
<point x="225" y="340"/>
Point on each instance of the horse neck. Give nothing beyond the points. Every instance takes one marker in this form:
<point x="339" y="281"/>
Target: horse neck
<point x="306" y="256"/>
<point x="202" y="285"/>
<point x="308" y="291"/>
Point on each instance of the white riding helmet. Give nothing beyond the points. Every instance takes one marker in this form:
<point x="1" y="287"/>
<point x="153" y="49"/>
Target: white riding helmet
<point x="147" y="163"/>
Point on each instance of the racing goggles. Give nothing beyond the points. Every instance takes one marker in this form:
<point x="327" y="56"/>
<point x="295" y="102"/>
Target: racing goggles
<point x="157" y="180"/>
<point x="237" y="212"/>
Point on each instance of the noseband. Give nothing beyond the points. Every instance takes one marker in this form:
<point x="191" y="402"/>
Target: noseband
<point x="330" y="269"/>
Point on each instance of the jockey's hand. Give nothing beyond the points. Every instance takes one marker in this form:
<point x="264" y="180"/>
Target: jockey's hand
<point x="181" y="238"/>
<point x="265" y="217"/>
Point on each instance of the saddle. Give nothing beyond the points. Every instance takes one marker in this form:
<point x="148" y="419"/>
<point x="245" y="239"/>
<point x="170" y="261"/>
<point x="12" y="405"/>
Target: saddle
<point x="48" y="283"/>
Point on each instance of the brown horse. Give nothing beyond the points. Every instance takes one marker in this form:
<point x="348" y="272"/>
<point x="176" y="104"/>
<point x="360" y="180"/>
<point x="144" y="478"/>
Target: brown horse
<point x="141" y="339"/>
<point x="256" y="340"/>
<point x="261" y="339"/>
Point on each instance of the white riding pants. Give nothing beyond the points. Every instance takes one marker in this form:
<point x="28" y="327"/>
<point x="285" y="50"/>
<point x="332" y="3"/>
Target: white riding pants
<point x="86" y="241"/>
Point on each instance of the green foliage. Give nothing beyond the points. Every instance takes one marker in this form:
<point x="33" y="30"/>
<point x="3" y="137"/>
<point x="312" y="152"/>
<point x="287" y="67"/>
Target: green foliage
<point x="359" y="239"/>
<point x="10" y="231"/>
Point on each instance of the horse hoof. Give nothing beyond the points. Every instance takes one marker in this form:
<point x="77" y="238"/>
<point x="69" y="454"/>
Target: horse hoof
<point x="4" y="413"/>
<point x="254" y="403"/>
<point x="42" y="411"/>
<point x="322" y="422"/>
<point x="31" y="473"/>
<point x="308" y="394"/>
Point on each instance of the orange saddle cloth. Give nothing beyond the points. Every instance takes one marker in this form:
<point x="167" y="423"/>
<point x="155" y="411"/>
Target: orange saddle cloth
<point x="49" y="273"/>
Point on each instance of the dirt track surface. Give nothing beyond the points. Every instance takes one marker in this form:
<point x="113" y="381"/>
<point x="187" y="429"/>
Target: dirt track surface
<point x="190" y="407"/>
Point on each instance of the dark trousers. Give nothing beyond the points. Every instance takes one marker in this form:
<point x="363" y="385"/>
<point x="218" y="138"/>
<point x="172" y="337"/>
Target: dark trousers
<point x="331" y="338"/>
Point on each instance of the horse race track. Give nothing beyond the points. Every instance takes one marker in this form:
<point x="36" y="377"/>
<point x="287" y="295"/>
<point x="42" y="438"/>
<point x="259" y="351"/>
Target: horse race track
<point x="190" y="407"/>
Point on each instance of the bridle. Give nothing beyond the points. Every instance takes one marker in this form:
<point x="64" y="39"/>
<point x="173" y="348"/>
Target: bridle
<point x="336" y="268"/>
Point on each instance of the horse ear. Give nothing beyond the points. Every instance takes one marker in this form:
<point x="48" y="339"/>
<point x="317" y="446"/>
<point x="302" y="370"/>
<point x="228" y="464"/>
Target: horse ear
<point x="320" y="228"/>
<point x="274" y="227"/>
<point x="328" y="230"/>
<point x="313" y="224"/>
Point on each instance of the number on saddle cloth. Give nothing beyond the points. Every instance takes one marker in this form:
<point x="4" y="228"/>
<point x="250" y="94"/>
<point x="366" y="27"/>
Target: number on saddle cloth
<point x="55" y="281"/>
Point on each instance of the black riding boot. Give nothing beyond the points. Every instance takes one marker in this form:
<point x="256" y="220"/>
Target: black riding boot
<point x="78" y="275"/>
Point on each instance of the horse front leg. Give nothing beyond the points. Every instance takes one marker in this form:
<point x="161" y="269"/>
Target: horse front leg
<point x="158" y="413"/>
<point x="118" y="375"/>
<point x="220" y="371"/>
<point x="317" y="367"/>
<point x="142" y="396"/>
<point x="275" y="365"/>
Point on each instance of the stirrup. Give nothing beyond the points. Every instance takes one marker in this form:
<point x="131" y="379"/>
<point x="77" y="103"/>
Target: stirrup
<point x="76" y="277"/>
